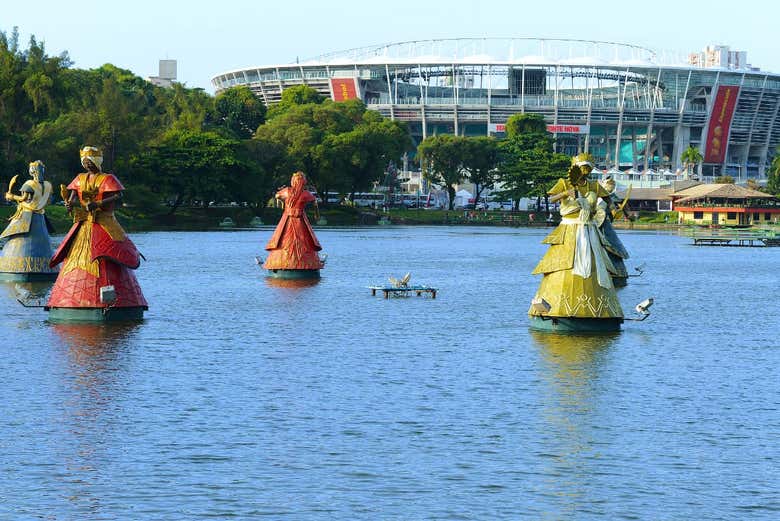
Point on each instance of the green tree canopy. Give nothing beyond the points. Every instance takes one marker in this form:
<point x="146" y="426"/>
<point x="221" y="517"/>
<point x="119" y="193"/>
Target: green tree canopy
<point x="441" y="158"/>
<point x="525" y="123"/>
<point x="480" y="161"/>
<point x="339" y="146"/>
<point x="199" y="167"/>
<point x="298" y="95"/>
<point x="773" y="181"/>
<point x="240" y="111"/>
<point x="529" y="166"/>
<point x="690" y="158"/>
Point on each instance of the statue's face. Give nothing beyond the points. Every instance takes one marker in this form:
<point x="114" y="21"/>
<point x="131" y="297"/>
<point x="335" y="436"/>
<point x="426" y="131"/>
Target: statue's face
<point x="586" y="170"/>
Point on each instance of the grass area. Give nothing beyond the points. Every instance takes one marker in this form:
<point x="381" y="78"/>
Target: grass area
<point x="657" y="218"/>
<point x="482" y="218"/>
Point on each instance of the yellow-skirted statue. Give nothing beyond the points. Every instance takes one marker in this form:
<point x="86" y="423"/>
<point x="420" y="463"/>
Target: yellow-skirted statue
<point x="577" y="292"/>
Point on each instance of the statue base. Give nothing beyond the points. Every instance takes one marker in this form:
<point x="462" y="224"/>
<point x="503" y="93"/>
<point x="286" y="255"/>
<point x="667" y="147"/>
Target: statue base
<point x="574" y="324"/>
<point x="128" y="314"/>
<point x="294" y="274"/>
<point x="28" y="277"/>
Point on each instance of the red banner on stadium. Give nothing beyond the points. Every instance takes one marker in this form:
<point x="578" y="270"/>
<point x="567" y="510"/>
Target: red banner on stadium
<point x="720" y="121"/>
<point x="343" y="89"/>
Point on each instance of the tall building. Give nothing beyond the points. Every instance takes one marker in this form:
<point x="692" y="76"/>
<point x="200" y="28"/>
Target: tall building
<point x="719" y="56"/>
<point x="166" y="75"/>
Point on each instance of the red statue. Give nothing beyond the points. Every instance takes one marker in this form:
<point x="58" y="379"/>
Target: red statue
<point x="96" y="281"/>
<point x="293" y="247"/>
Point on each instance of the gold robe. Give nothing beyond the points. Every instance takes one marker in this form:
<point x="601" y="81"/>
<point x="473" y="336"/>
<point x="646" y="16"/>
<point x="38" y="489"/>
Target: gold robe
<point x="576" y="269"/>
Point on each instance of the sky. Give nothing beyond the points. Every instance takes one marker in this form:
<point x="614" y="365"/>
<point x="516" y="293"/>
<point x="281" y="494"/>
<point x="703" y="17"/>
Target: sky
<point x="208" y="38"/>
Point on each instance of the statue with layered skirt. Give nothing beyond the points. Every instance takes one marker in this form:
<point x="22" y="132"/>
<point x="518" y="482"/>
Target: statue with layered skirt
<point x="28" y="251"/>
<point x="293" y="248"/>
<point x="577" y="293"/>
<point x="96" y="281"/>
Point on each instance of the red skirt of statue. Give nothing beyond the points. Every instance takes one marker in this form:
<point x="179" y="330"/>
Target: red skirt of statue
<point x="293" y="245"/>
<point x="96" y="253"/>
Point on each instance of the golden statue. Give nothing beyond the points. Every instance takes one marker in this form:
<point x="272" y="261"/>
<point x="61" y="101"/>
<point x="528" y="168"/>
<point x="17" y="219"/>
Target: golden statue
<point x="577" y="292"/>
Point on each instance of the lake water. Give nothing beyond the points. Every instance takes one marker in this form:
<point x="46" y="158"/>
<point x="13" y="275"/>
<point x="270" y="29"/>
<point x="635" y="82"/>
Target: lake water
<point x="240" y="399"/>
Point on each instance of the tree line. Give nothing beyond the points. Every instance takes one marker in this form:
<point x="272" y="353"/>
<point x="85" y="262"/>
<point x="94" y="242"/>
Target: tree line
<point x="181" y="146"/>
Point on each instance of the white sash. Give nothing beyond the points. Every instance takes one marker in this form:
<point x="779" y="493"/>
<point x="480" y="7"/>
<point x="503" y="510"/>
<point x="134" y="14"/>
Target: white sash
<point x="587" y="242"/>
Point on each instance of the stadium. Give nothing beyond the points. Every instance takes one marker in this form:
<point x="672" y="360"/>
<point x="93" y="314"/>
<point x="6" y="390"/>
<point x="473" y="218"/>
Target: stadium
<point x="632" y="108"/>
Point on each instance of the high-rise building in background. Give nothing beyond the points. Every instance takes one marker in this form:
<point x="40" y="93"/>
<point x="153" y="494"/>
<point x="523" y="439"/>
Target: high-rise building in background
<point x="166" y="75"/>
<point x="719" y="56"/>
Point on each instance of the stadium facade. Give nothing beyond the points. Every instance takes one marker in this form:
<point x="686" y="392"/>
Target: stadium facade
<point x="629" y="106"/>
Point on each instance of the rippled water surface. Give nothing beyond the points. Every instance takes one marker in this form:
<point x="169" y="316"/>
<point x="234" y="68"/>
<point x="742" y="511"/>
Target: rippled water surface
<point x="236" y="398"/>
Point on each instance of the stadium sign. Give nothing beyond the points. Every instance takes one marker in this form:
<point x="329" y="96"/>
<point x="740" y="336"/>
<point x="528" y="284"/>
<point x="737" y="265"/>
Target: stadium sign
<point x="568" y="129"/>
<point x="553" y="129"/>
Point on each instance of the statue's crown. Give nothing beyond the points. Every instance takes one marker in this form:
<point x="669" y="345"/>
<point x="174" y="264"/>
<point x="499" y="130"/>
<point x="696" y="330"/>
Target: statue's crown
<point x="582" y="159"/>
<point x="90" y="152"/>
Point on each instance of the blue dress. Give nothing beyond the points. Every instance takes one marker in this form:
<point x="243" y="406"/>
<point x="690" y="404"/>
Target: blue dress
<point x="28" y="250"/>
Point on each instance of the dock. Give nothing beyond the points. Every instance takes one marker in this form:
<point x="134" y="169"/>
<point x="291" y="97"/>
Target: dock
<point x="737" y="239"/>
<point x="398" y="291"/>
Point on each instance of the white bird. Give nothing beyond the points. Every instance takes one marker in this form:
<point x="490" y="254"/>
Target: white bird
<point x="402" y="282"/>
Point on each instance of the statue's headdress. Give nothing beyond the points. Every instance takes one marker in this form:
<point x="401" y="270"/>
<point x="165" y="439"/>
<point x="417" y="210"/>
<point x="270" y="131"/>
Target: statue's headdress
<point x="298" y="177"/>
<point x="93" y="154"/>
<point x="37" y="169"/>
<point x="582" y="160"/>
<point x="581" y="165"/>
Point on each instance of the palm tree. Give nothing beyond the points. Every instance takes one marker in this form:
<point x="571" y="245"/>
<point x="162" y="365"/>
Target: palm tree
<point x="690" y="158"/>
<point x="773" y="177"/>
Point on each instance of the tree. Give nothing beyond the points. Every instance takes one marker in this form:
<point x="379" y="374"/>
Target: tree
<point x="690" y="158"/>
<point x="480" y="160"/>
<point x="188" y="165"/>
<point x="528" y="163"/>
<point x="525" y="124"/>
<point x="239" y="111"/>
<point x="773" y="177"/>
<point x="363" y="153"/>
<point x="442" y="158"/>
<point x="725" y="179"/>
<point x="294" y="96"/>
<point x="339" y="146"/>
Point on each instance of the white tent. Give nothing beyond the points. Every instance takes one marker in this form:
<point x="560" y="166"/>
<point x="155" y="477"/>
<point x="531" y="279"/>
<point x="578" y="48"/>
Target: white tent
<point x="462" y="198"/>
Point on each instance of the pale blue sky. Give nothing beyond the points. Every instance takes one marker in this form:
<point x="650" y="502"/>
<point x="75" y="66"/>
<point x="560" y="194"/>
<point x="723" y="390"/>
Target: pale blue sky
<point x="216" y="36"/>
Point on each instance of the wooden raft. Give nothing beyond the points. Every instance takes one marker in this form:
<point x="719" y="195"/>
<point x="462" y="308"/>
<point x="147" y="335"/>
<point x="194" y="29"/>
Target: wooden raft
<point x="403" y="290"/>
<point x="735" y="240"/>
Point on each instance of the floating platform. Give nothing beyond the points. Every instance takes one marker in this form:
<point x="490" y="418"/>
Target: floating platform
<point x="736" y="240"/>
<point x="294" y="274"/>
<point x="574" y="324"/>
<point x="399" y="291"/>
<point x="93" y="315"/>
